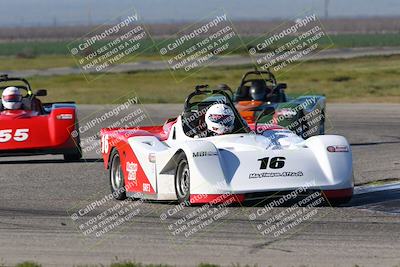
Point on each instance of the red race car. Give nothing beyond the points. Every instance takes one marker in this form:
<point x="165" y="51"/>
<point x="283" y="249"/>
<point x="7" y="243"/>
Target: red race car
<point x="28" y="127"/>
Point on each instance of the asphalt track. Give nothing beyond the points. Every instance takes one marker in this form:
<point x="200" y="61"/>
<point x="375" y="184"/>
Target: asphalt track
<point x="38" y="196"/>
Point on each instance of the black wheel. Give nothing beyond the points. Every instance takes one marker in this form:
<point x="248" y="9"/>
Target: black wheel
<point x="182" y="179"/>
<point x="75" y="156"/>
<point x="76" y="153"/>
<point x="117" y="182"/>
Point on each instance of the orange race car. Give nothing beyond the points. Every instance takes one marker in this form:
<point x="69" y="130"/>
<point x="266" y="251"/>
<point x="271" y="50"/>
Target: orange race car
<point x="260" y="98"/>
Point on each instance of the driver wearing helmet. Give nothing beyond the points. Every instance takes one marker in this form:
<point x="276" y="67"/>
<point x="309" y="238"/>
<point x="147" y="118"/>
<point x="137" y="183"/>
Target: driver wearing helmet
<point x="220" y="119"/>
<point x="11" y="98"/>
<point x="258" y="90"/>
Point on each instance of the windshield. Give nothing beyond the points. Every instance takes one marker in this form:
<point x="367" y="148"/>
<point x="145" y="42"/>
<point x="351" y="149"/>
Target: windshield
<point x="193" y="117"/>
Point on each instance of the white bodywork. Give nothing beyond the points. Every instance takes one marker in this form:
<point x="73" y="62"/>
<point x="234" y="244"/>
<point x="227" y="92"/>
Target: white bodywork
<point x="230" y="163"/>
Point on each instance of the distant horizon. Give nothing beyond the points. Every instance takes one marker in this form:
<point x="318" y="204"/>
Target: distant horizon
<point x="93" y="12"/>
<point x="190" y="21"/>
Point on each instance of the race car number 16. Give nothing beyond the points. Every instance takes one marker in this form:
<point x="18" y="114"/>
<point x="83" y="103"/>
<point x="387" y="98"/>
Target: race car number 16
<point x="19" y="135"/>
<point x="104" y="143"/>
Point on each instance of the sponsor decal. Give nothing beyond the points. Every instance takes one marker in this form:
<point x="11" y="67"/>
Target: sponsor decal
<point x="338" y="148"/>
<point x="275" y="174"/>
<point x="64" y="117"/>
<point x="221" y="118"/>
<point x="146" y="187"/>
<point x="273" y="163"/>
<point x="132" y="168"/>
<point x="204" y="154"/>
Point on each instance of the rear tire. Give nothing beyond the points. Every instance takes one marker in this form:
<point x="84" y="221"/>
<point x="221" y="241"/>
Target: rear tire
<point x="117" y="181"/>
<point x="182" y="179"/>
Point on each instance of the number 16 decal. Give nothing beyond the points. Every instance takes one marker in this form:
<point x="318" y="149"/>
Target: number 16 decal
<point x="275" y="163"/>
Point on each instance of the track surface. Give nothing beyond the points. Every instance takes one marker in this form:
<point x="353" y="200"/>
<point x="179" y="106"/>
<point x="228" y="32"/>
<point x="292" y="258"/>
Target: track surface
<point x="38" y="194"/>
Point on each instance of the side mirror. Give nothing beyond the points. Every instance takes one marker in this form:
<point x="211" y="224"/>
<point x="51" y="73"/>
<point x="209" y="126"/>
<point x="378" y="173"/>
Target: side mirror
<point x="280" y="86"/>
<point x="41" y="92"/>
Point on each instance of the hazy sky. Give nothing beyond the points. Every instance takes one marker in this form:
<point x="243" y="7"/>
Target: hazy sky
<point x="48" y="12"/>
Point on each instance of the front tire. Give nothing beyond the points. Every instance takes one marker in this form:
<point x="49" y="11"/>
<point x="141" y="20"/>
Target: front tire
<point x="117" y="182"/>
<point x="75" y="156"/>
<point x="76" y="153"/>
<point x="182" y="180"/>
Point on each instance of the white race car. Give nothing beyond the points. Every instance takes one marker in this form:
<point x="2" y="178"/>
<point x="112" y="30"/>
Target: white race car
<point x="209" y="152"/>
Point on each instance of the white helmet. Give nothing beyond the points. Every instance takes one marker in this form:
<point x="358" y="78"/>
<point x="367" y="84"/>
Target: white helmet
<point x="220" y="119"/>
<point x="11" y="98"/>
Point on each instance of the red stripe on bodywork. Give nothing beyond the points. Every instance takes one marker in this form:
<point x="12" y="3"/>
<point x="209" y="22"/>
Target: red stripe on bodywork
<point x="216" y="198"/>
<point x="339" y="193"/>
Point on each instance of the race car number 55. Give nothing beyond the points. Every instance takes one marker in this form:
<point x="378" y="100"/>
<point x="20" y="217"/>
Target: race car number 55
<point x="19" y="135"/>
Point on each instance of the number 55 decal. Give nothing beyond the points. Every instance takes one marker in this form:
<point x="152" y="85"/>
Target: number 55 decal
<point x="20" y="135"/>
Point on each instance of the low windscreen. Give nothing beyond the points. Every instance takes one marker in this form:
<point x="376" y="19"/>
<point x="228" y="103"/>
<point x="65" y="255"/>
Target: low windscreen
<point x="20" y="85"/>
<point x="200" y="121"/>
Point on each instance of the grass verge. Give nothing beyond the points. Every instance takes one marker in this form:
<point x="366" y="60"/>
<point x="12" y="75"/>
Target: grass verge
<point x="13" y="63"/>
<point x="131" y="264"/>
<point x="341" y="40"/>
<point x="366" y="79"/>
